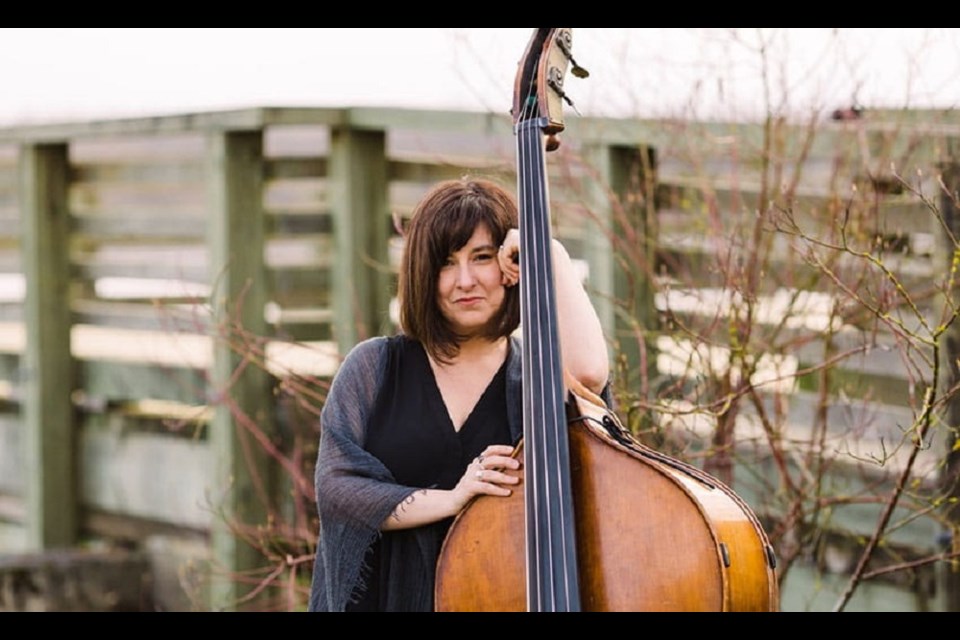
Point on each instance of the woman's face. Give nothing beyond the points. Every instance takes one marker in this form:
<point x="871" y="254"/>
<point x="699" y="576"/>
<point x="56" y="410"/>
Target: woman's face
<point x="470" y="289"/>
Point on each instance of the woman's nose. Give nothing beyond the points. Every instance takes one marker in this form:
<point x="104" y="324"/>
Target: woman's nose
<point x="465" y="277"/>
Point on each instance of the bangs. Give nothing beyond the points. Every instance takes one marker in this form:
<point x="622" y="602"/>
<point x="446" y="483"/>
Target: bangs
<point x="455" y="228"/>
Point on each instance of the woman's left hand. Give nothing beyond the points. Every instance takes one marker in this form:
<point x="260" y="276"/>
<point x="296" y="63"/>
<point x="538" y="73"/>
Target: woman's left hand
<point x="508" y="257"/>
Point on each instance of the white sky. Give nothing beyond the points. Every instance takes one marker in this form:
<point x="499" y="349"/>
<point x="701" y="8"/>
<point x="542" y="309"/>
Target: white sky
<point x="81" y="74"/>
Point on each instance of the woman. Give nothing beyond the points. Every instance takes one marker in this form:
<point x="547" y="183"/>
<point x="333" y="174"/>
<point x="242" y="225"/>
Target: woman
<point x="417" y="424"/>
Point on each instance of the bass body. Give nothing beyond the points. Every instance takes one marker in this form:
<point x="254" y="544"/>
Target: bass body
<point x="653" y="534"/>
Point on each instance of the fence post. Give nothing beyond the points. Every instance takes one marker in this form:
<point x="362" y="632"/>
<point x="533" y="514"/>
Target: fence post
<point x="358" y="199"/>
<point x="620" y="249"/>
<point x="240" y="384"/>
<point x="48" y="437"/>
<point x="950" y="171"/>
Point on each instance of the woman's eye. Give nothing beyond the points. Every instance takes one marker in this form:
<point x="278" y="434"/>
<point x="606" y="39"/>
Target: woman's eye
<point x="483" y="257"/>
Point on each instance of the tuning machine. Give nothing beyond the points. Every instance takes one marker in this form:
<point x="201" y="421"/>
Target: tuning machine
<point x="565" y="42"/>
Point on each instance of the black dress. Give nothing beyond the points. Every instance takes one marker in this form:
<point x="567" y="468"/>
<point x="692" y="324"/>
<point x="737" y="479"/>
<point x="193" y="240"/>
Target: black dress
<point x="411" y="433"/>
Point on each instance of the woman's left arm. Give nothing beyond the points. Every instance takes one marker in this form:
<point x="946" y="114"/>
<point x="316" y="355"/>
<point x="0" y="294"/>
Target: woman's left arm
<point x="583" y="346"/>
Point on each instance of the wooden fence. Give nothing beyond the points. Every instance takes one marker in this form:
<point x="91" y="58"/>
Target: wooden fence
<point x="164" y="277"/>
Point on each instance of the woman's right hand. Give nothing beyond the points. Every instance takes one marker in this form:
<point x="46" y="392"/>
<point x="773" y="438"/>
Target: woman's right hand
<point x="488" y="475"/>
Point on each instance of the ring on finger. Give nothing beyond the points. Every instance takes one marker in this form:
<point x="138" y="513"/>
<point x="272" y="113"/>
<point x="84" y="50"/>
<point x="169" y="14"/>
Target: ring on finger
<point x="479" y="474"/>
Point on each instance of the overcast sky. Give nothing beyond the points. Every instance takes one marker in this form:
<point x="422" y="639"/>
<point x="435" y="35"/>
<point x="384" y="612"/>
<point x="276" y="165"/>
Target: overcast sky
<point x="81" y="74"/>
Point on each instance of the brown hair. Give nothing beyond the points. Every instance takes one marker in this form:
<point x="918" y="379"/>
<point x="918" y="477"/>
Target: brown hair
<point x="442" y="223"/>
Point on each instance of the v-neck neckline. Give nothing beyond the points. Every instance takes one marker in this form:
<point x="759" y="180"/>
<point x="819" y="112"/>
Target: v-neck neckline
<point x="440" y="406"/>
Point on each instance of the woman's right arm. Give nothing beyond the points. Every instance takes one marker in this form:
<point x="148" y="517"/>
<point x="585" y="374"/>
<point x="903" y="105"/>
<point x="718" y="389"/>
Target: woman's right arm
<point x="353" y="486"/>
<point x="486" y="475"/>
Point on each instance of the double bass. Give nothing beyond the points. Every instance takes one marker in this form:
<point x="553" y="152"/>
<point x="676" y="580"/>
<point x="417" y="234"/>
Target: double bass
<point x="603" y="523"/>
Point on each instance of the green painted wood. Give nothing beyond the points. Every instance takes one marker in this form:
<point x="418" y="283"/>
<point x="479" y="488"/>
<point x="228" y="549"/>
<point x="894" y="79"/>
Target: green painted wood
<point x="882" y="131"/>
<point x="185" y="172"/>
<point x="8" y="179"/>
<point x="298" y="224"/>
<point x="137" y="199"/>
<point x="13" y="538"/>
<point x="9" y="229"/>
<point x="48" y="419"/>
<point x="10" y="252"/>
<point x="148" y="475"/>
<point x="248" y="119"/>
<point x="190" y="267"/>
<point x="361" y="285"/>
<point x="240" y="390"/>
<point x="429" y="173"/>
<point x="111" y="382"/>
<point x="140" y="228"/>
<point x="813" y="209"/>
<point x="293" y="168"/>
<point x="167" y="316"/>
<point x="11" y="313"/>
<point x="258" y="118"/>
<point x="12" y="473"/>
<point x="9" y="377"/>
<point x="620" y="240"/>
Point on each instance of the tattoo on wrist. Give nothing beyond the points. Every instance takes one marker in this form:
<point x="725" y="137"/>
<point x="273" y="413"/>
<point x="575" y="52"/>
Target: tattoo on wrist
<point x="406" y="501"/>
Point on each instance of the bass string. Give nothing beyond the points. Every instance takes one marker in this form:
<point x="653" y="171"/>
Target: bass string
<point x="551" y="575"/>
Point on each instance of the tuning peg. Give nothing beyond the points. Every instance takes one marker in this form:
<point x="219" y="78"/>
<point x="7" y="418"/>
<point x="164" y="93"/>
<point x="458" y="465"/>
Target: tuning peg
<point x="572" y="105"/>
<point x="577" y="70"/>
<point x="565" y="41"/>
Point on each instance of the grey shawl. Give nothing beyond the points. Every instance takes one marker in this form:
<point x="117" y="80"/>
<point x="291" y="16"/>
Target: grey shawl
<point x="356" y="492"/>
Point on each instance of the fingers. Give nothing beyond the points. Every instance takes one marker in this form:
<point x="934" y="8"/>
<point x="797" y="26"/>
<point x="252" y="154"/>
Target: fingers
<point x="509" y="255"/>
<point x="510" y="272"/>
<point x="508" y="258"/>
<point x="494" y="482"/>
<point x="498" y="457"/>
<point x="489" y="473"/>
<point x="511" y="242"/>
